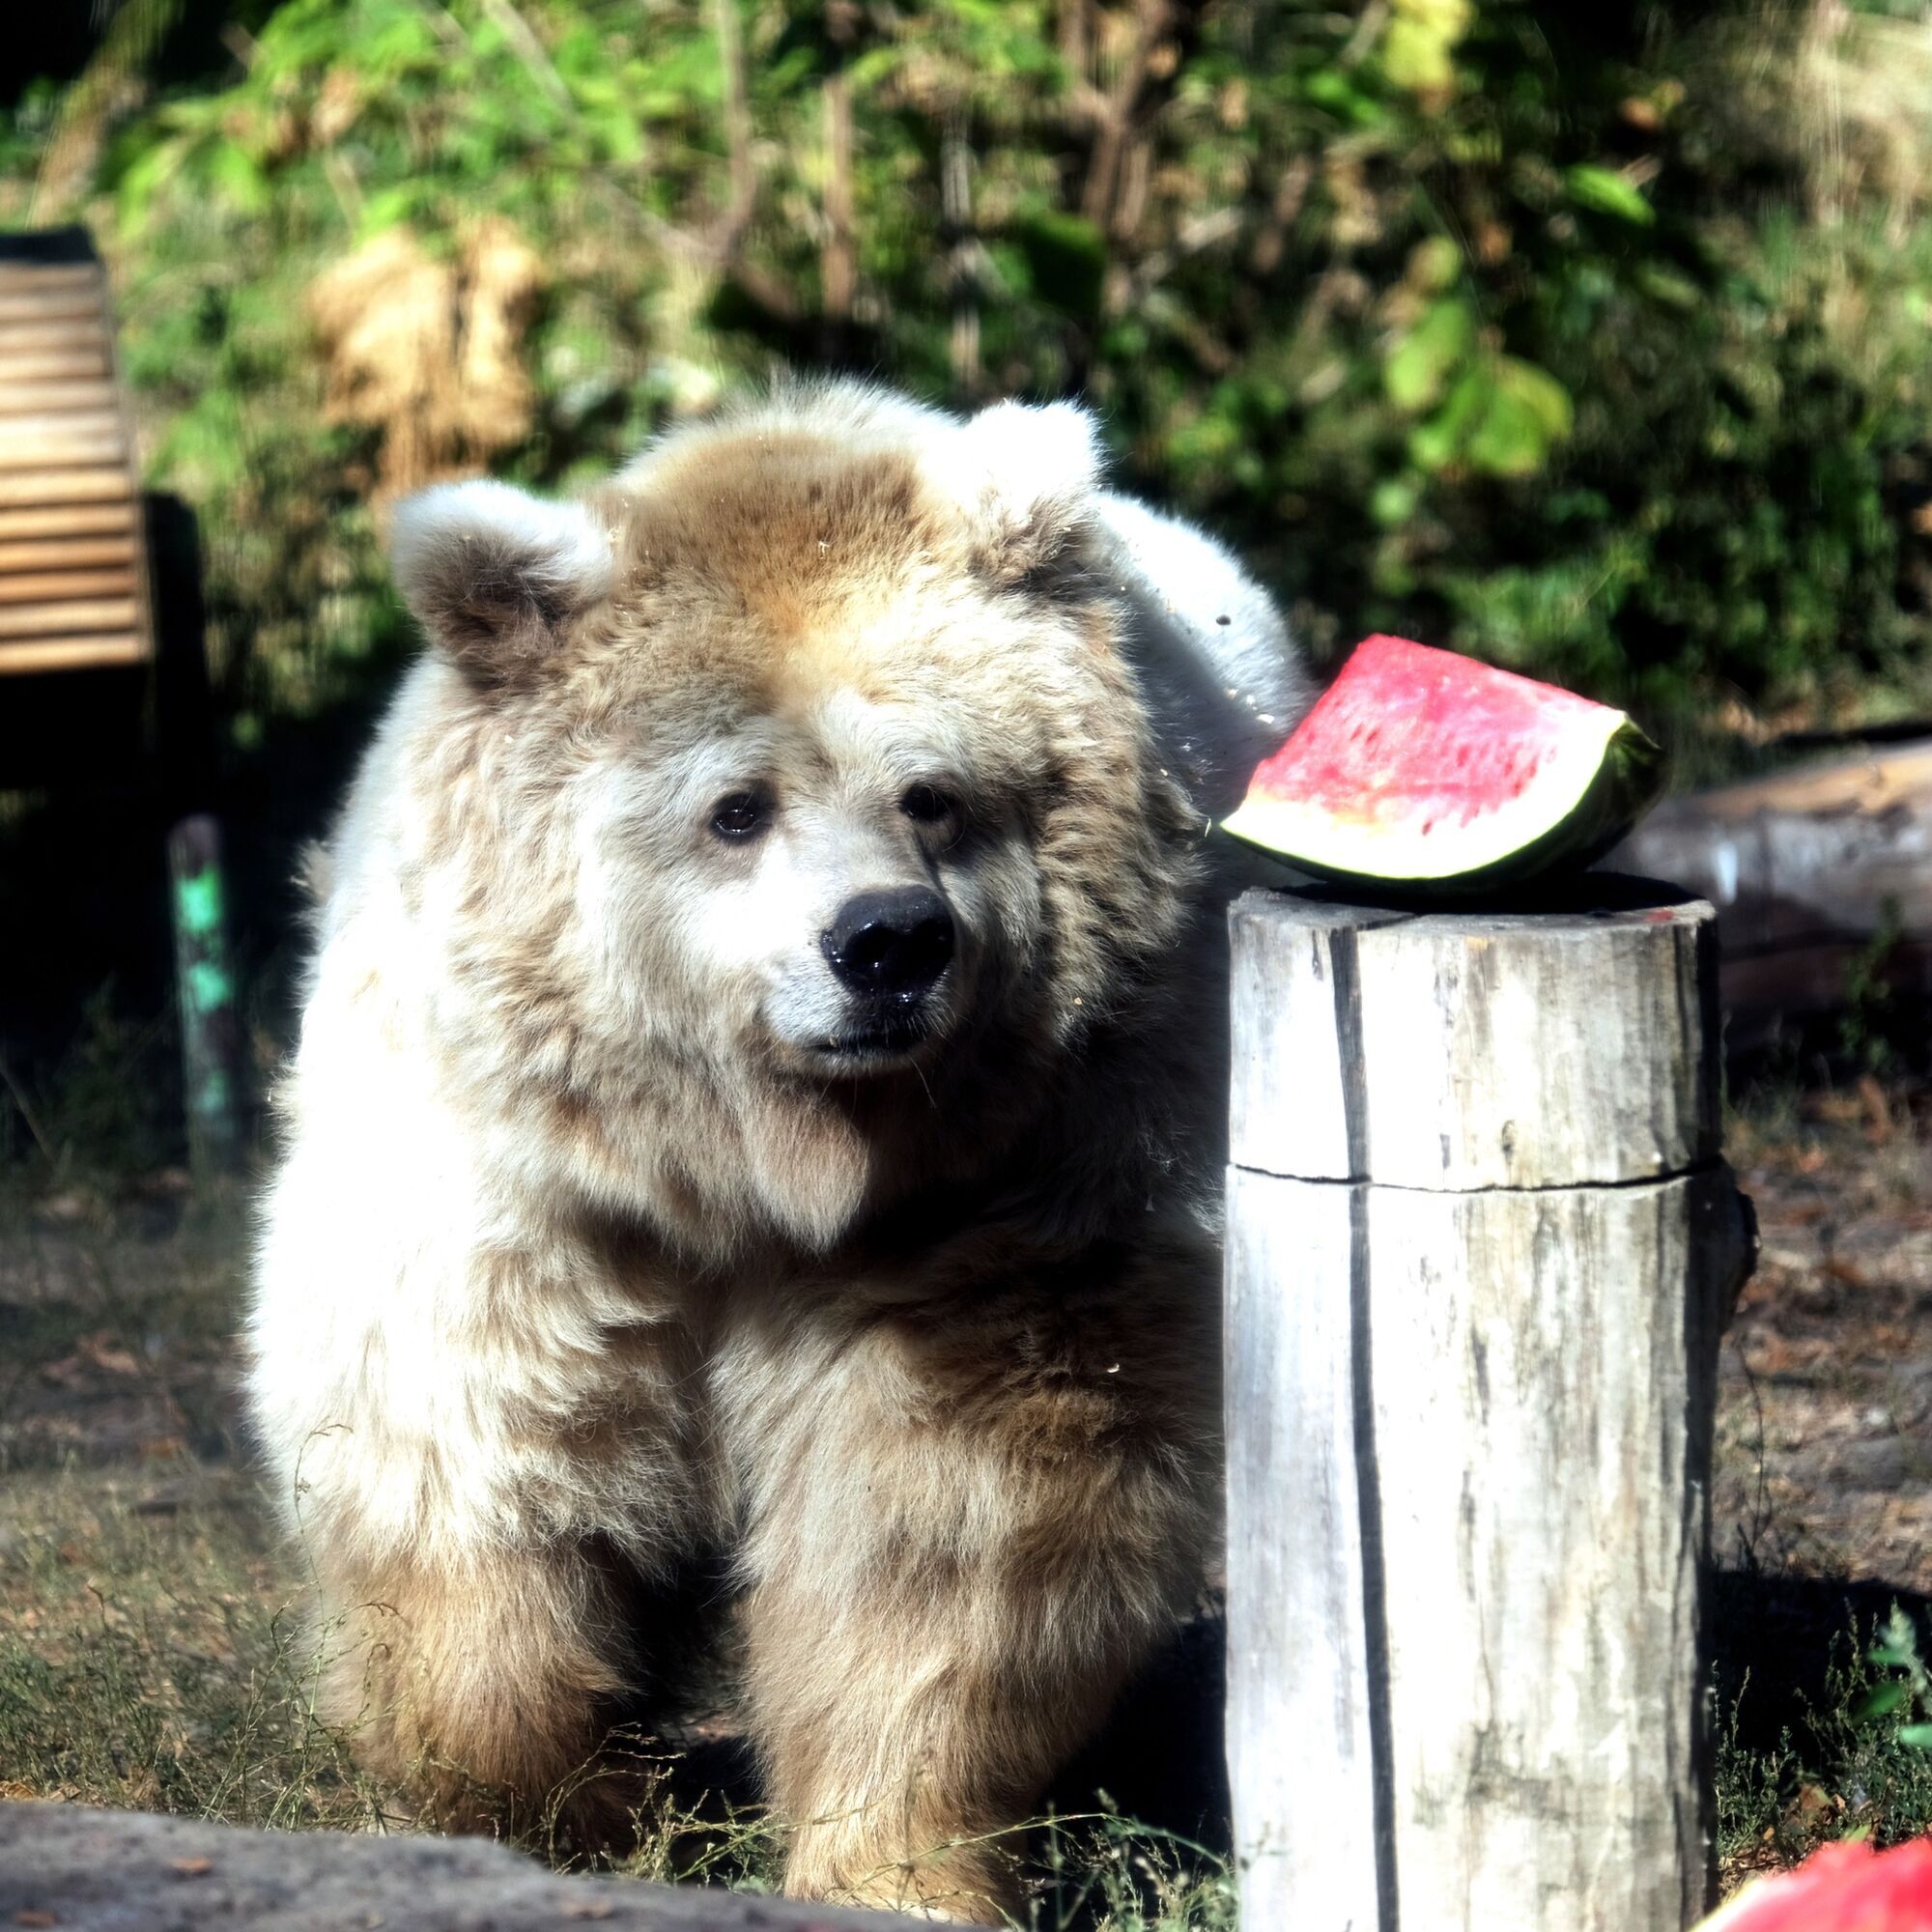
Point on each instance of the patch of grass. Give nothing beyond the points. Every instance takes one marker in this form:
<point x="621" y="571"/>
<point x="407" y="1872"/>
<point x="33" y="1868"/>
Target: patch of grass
<point x="1853" y="1763"/>
<point x="1111" y="1874"/>
<point x="152" y="1651"/>
<point x="152" y="1657"/>
<point x="106" y="1110"/>
<point x="148" y="1659"/>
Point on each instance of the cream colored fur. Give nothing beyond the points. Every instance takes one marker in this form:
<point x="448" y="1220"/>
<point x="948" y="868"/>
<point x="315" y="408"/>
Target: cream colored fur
<point x="585" y="1250"/>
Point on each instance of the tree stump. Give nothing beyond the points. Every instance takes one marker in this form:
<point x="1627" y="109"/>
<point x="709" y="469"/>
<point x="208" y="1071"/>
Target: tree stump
<point x="1480" y="1247"/>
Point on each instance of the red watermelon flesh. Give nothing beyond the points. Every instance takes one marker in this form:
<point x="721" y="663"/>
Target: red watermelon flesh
<point x="1841" y="1887"/>
<point x="1425" y="768"/>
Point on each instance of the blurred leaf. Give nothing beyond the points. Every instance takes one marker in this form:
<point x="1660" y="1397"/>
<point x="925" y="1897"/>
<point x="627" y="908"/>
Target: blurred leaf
<point x="1435" y="265"/>
<point x="1603" y="191"/>
<point x="1509" y="439"/>
<point x="1883" y="1699"/>
<point x="1395" y="501"/>
<point x="1423" y="361"/>
<point x="1418" y="51"/>
<point x="1438" y="443"/>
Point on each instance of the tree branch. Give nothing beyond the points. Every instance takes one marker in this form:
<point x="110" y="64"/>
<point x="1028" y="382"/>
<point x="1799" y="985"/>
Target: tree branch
<point x="737" y="125"/>
<point x="1196" y="236"/>
<point x="1291" y="191"/>
<point x="527" y="49"/>
<point x="1117" y="113"/>
<point x="838" y="269"/>
<point x="955" y="209"/>
<point x="1074" y="26"/>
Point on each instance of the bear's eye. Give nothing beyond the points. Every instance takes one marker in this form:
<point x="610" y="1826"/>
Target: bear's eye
<point x="742" y="814"/>
<point x="926" y="805"/>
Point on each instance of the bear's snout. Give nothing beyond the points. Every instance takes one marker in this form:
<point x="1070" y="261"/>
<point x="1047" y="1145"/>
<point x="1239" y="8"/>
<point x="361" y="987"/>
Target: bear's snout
<point x="890" y="945"/>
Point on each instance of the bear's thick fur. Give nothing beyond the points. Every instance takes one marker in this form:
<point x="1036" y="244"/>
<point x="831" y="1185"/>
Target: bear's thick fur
<point x="759" y="1089"/>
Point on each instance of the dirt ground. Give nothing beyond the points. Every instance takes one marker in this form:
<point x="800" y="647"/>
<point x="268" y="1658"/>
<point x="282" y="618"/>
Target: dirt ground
<point x="1824" y="1457"/>
<point x="115" y="1352"/>
<point x="145" y="1607"/>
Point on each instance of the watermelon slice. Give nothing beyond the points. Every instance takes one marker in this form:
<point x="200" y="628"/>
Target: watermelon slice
<point x="1840" y="1887"/>
<point x="1423" y="769"/>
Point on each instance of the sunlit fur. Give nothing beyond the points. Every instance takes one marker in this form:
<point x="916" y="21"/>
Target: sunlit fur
<point x="585" y="1252"/>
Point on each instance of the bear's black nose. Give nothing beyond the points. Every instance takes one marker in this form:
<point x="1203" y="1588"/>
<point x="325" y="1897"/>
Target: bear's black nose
<point x="893" y="945"/>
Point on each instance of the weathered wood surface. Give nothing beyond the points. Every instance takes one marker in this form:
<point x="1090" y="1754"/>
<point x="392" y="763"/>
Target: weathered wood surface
<point x="66" y="468"/>
<point x="1525" y="1011"/>
<point x="1479" y="1242"/>
<point x="1301" y="1761"/>
<point x="1805" y="867"/>
<point x="119" y="1871"/>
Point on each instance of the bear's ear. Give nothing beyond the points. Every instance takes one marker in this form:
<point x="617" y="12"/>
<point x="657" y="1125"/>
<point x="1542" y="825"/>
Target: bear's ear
<point x="493" y="574"/>
<point x="1026" y="478"/>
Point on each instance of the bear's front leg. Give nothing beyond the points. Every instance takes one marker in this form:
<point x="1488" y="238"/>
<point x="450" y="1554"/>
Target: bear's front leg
<point x="482" y="1685"/>
<point x="971" y="1523"/>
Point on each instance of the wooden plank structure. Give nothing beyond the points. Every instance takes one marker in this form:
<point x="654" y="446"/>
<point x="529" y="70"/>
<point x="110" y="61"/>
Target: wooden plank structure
<point x="101" y="659"/>
<point x="74" y="566"/>
<point x="1480" y="1245"/>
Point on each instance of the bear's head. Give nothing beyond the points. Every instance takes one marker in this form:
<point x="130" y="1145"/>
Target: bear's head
<point x="795" y="800"/>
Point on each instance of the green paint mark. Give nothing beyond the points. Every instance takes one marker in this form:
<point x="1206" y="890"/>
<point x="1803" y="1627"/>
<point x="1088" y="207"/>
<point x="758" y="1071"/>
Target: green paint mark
<point x="209" y="986"/>
<point x="198" y="902"/>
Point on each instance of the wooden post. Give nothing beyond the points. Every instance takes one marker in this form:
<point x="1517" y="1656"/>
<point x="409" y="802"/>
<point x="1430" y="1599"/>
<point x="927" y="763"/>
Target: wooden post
<point x="1480" y="1243"/>
<point x="213" y="1056"/>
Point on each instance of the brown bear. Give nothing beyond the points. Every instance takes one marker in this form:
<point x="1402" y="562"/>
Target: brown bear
<point x="758" y="1089"/>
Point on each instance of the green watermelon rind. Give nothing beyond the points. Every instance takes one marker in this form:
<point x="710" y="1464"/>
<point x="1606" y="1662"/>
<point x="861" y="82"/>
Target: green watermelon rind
<point x="1628" y="777"/>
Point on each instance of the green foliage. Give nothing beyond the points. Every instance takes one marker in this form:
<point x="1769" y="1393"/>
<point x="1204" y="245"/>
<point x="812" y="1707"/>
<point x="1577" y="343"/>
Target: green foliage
<point x="1870" y="1033"/>
<point x="1856" y="1764"/>
<point x="1905" y="1696"/>
<point x="1115" y="1875"/>
<point x="1462" y="317"/>
<point x="106" y="1111"/>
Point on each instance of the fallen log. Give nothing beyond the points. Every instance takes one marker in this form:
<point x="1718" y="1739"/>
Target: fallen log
<point x="1812" y="870"/>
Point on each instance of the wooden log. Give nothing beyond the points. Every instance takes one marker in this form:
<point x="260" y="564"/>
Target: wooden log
<point x="1479" y="1243"/>
<point x="1807" y="868"/>
<point x="1312" y="1834"/>
<point x="1447" y="1006"/>
<point x="1814" y="852"/>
